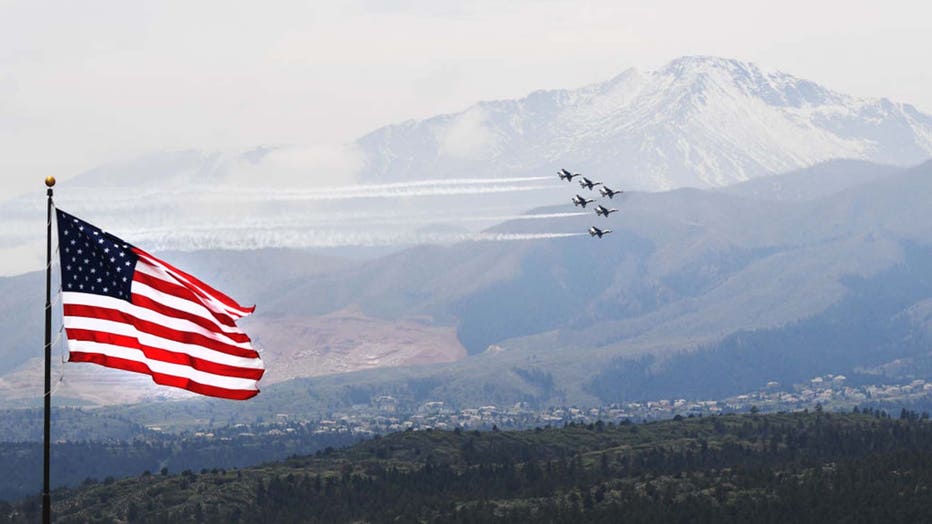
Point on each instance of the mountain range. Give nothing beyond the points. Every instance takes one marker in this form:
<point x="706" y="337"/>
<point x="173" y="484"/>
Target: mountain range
<point x="697" y="293"/>
<point x="697" y="122"/>
<point x="720" y="276"/>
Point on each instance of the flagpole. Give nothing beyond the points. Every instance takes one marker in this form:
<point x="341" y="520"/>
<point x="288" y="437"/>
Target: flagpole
<point x="46" y="497"/>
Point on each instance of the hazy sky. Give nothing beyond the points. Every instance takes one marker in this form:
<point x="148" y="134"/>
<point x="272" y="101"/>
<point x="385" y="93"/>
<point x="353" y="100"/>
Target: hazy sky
<point x="86" y="83"/>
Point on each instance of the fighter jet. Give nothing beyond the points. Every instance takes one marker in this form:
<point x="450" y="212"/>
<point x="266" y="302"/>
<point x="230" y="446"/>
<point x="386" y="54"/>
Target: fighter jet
<point x="580" y="201"/>
<point x="604" y="211"/>
<point x="608" y="192"/>
<point x="594" y="231"/>
<point x="566" y="175"/>
<point x="588" y="184"/>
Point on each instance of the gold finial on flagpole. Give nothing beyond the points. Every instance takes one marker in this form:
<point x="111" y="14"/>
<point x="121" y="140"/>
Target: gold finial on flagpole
<point x="49" y="181"/>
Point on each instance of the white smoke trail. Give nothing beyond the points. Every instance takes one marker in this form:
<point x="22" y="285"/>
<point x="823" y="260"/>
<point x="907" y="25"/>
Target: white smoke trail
<point x="395" y="186"/>
<point x="418" y="188"/>
<point x="356" y="193"/>
<point x="457" y="181"/>
<point x="158" y="219"/>
<point x="341" y="219"/>
<point x="539" y="215"/>
<point x="302" y="239"/>
<point x="505" y="237"/>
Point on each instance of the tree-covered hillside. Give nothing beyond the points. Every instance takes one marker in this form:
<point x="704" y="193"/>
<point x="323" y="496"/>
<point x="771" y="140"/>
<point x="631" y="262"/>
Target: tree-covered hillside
<point x="797" y="467"/>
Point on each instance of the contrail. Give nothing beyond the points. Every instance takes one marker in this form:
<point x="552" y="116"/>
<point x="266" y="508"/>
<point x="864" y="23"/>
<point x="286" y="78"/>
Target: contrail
<point x="299" y="229"/>
<point x="391" y="186"/>
<point x="344" y="219"/>
<point x="417" y="188"/>
<point x="504" y="237"/>
<point x="453" y="181"/>
<point x="540" y="215"/>
<point x="188" y="241"/>
<point x="433" y="217"/>
<point x="359" y="192"/>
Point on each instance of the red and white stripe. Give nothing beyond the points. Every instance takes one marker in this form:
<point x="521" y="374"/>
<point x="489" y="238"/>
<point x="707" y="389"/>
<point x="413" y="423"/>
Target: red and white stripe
<point x="177" y="329"/>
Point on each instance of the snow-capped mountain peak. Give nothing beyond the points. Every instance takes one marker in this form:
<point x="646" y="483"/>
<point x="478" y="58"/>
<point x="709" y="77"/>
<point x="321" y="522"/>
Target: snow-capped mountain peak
<point x="697" y="121"/>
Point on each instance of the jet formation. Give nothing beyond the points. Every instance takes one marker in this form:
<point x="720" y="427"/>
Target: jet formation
<point x="581" y="201"/>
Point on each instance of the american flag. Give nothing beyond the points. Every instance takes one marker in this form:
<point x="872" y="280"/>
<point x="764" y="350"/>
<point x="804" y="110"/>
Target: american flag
<point x="126" y="309"/>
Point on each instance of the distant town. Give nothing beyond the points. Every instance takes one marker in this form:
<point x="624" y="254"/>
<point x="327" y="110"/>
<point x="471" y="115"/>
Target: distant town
<point x="829" y="392"/>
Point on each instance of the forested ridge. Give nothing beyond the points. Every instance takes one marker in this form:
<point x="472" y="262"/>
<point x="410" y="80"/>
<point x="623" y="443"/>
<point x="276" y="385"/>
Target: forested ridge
<point x="136" y="450"/>
<point x="787" y="467"/>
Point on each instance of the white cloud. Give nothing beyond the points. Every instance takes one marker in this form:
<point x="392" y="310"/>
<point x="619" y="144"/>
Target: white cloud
<point x="83" y="84"/>
<point x="91" y="83"/>
<point x="295" y="167"/>
<point x="467" y="136"/>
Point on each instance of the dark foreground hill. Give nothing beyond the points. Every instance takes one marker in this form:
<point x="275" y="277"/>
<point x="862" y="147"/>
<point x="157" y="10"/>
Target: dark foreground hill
<point x="800" y="467"/>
